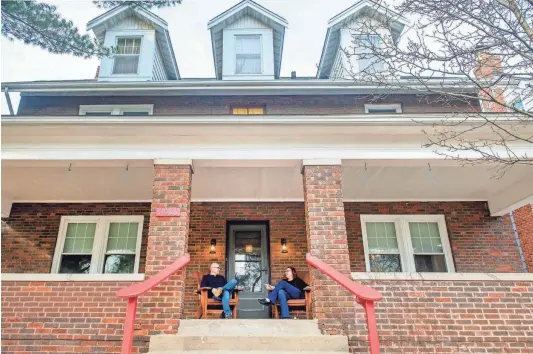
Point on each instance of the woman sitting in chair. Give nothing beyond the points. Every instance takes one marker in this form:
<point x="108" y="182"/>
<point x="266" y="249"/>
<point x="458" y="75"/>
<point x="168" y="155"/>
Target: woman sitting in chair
<point x="289" y="288"/>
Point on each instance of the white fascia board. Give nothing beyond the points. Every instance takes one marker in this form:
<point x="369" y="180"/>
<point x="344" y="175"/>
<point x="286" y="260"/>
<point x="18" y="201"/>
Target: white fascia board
<point x="240" y="7"/>
<point x="366" y="119"/>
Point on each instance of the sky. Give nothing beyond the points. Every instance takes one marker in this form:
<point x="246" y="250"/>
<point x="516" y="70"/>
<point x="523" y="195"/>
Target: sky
<point x="187" y="22"/>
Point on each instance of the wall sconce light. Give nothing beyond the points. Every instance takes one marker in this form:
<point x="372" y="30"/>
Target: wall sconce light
<point x="284" y="245"/>
<point x="213" y="245"/>
<point x="249" y="249"/>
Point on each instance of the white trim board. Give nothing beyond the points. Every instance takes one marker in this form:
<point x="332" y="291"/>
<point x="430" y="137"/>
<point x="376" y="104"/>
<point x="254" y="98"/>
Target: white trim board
<point x="70" y="277"/>
<point x="443" y="276"/>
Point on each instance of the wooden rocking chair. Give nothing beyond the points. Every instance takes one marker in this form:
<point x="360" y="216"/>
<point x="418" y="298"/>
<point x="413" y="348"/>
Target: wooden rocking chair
<point x="209" y="305"/>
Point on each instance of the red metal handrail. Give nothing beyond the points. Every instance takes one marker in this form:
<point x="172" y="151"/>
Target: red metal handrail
<point x="364" y="295"/>
<point x="133" y="291"/>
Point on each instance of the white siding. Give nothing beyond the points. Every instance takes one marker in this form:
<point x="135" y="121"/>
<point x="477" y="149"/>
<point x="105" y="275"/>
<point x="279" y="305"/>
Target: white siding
<point x="132" y="23"/>
<point x="337" y="70"/>
<point x="246" y="22"/>
<point x="158" y="73"/>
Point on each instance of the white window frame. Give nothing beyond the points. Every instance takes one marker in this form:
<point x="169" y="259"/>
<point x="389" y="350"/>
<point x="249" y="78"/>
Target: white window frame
<point x="395" y="106"/>
<point x="405" y="247"/>
<point x="116" y="110"/>
<point x="260" y="53"/>
<point x="138" y="62"/>
<point x="100" y="239"/>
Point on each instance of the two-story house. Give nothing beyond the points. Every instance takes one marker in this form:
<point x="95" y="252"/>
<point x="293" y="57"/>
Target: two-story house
<point x="108" y="181"/>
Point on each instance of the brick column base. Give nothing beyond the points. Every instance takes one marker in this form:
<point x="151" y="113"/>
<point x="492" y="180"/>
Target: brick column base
<point x="523" y="219"/>
<point x="327" y="240"/>
<point x="162" y="307"/>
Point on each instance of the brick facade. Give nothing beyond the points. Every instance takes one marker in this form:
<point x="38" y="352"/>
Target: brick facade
<point x="217" y="105"/>
<point x="64" y="317"/>
<point x="523" y="218"/>
<point x="479" y="242"/>
<point x="327" y="240"/>
<point x="30" y="233"/>
<point x="208" y="220"/>
<point x="450" y="317"/>
<point x="161" y="308"/>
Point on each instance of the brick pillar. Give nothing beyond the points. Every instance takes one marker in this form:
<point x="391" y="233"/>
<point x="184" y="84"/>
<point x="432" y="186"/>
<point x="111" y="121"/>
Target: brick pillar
<point x="327" y="240"/>
<point x="523" y="219"/>
<point x="167" y="241"/>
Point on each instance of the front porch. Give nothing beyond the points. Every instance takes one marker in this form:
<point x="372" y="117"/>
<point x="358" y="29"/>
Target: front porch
<point x="274" y="193"/>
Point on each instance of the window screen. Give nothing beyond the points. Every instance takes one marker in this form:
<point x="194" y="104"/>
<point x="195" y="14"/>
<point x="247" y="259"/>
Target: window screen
<point x="127" y="56"/>
<point x="248" y="54"/>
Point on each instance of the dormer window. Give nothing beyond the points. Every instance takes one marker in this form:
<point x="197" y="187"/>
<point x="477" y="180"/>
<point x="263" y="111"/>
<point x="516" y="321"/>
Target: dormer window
<point x="127" y="56"/>
<point x="248" y="54"/>
<point x="368" y="44"/>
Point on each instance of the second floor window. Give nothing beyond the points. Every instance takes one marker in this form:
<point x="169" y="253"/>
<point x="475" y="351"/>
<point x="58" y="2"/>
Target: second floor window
<point x="247" y="110"/>
<point x="248" y="54"/>
<point x="367" y="45"/>
<point x="127" y="55"/>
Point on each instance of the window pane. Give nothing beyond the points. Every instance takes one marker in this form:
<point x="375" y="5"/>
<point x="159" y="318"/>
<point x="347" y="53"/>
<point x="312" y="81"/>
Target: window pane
<point x="240" y="111"/>
<point x="382" y="110"/>
<point x="381" y="237"/>
<point x="248" y="64"/>
<point x="430" y="263"/>
<point x="122" y="237"/>
<point x="126" y="64"/>
<point x="97" y="113"/>
<point x="75" y="264"/>
<point x="256" y="110"/>
<point x="385" y="263"/>
<point x="367" y="45"/>
<point x="119" y="263"/>
<point x="425" y="237"/>
<point x="135" y="113"/>
<point x="79" y="238"/>
<point x="249" y="44"/>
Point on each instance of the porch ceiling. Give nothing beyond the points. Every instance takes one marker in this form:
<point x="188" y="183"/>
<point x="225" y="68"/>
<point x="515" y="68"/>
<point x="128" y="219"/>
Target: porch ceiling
<point x="265" y="180"/>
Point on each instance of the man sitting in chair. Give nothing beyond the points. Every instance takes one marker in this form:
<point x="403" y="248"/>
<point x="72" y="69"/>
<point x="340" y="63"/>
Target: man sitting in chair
<point x="220" y="288"/>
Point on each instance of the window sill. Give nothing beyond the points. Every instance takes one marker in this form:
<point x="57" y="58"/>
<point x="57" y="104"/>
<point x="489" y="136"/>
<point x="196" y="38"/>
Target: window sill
<point x="70" y="277"/>
<point x="444" y="276"/>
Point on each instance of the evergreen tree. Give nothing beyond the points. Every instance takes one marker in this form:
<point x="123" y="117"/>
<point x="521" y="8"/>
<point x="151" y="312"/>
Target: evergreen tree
<point x="42" y="25"/>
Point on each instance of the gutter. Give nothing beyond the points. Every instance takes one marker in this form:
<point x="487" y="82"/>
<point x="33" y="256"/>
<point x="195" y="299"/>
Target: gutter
<point x="368" y="120"/>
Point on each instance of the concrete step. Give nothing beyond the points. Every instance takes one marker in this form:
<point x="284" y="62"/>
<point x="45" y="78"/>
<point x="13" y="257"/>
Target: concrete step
<point x="315" y="343"/>
<point x="280" y="328"/>
<point x="249" y="351"/>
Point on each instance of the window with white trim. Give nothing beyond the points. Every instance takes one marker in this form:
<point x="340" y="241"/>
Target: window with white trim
<point x="98" y="245"/>
<point x="383" y="108"/>
<point x="126" y="58"/>
<point x="248" y="54"/>
<point x="406" y="243"/>
<point x="117" y="110"/>
<point x="366" y="47"/>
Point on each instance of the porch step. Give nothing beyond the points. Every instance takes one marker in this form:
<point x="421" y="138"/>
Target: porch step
<point x="176" y="343"/>
<point x="255" y="336"/>
<point x="249" y="328"/>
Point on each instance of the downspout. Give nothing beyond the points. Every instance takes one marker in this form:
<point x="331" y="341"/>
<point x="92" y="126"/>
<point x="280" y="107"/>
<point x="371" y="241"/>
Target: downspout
<point x="8" y="99"/>
<point x="517" y="238"/>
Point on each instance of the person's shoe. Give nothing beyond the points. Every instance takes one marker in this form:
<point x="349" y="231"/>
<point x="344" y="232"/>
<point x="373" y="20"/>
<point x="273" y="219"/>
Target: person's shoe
<point x="216" y="292"/>
<point x="264" y="302"/>
<point x="228" y="316"/>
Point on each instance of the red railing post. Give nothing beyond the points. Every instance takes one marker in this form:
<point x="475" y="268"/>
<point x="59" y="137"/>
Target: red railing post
<point x="371" y="325"/>
<point x="127" y="341"/>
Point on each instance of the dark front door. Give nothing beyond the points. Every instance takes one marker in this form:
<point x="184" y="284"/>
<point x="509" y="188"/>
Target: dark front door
<point x="248" y="261"/>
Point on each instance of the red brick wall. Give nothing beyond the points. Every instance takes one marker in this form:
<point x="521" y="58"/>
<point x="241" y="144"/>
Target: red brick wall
<point x="523" y="218"/>
<point x="450" y="317"/>
<point x="30" y="233"/>
<point x="327" y="239"/>
<point x="176" y="105"/>
<point x="479" y="242"/>
<point x="208" y="220"/>
<point x="64" y="317"/>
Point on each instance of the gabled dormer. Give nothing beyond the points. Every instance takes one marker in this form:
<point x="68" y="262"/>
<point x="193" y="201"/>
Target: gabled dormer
<point x="247" y="42"/>
<point x="144" y="51"/>
<point x="367" y="14"/>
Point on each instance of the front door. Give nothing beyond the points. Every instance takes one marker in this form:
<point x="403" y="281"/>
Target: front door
<point x="248" y="261"/>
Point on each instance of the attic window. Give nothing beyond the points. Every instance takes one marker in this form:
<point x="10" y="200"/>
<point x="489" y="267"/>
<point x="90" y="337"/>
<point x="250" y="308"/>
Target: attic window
<point x="117" y="110"/>
<point x="248" y="110"/>
<point x="127" y="55"/>
<point x="248" y="54"/>
<point x="383" y="108"/>
<point x="367" y="46"/>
